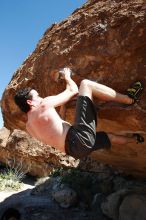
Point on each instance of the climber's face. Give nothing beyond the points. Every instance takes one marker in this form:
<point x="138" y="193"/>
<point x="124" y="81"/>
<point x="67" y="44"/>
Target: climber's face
<point x="35" y="98"/>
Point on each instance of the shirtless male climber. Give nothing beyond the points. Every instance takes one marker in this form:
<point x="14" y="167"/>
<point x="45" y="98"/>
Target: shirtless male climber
<point x="80" y="139"/>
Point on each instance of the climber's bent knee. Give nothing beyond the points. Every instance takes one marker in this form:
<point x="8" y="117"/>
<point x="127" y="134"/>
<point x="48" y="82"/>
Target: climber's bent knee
<point x="84" y="89"/>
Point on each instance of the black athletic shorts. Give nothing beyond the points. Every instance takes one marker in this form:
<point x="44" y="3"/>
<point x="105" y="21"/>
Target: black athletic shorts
<point x="82" y="137"/>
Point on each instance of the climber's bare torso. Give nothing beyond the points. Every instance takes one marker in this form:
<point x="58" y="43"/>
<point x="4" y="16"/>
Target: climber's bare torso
<point x="45" y="124"/>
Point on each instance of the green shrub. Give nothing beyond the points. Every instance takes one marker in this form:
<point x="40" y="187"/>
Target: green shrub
<point x="10" y="179"/>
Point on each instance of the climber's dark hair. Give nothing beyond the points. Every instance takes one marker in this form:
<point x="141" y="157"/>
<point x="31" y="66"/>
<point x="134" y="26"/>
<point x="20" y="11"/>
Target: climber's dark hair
<point x="21" y="97"/>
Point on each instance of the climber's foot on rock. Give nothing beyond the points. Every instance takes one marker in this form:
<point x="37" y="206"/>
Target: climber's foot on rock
<point x="135" y="91"/>
<point x="139" y="138"/>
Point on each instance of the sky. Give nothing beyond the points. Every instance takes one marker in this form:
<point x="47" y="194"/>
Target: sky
<point x="23" y="23"/>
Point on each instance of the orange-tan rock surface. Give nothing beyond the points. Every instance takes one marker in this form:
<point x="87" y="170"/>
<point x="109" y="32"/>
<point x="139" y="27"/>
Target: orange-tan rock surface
<point x="103" y="41"/>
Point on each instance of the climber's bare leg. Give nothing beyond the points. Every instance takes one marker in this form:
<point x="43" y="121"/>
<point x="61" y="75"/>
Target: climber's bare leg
<point x="102" y="92"/>
<point x="121" y="139"/>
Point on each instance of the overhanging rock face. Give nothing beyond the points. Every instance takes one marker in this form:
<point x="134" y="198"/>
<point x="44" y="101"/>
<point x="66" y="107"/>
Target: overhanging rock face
<point x="103" y="41"/>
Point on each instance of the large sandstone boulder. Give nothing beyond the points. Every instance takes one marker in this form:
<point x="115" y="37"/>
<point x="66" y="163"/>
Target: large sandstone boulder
<point x="103" y="41"/>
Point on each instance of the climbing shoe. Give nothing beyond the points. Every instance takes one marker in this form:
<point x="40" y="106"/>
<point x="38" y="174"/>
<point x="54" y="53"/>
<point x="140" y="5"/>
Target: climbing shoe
<point x="139" y="138"/>
<point x="135" y="91"/>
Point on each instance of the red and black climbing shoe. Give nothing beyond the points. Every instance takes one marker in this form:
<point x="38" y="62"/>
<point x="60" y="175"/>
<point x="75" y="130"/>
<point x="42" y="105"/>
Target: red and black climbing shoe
<point x="139" y="138"/>
<point x="135" y="91"/>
